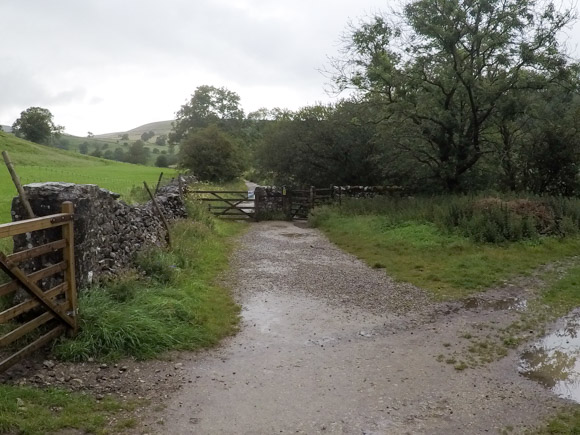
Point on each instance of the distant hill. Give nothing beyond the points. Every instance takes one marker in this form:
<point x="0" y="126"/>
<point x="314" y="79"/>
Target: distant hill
<point x="159" y="127"/>
<point x="6" y="128"/>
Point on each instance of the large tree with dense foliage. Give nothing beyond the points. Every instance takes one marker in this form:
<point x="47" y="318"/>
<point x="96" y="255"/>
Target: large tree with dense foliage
<point x="208" y="105"/>
<point x="441" y="71"/>
<point x="36" y="125"/>
<point x="321" y="145"/>
<point x="137" y="153"/>
<point x="211" y="155"/>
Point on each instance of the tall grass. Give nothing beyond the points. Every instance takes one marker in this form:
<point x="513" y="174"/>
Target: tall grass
<point x="481" y="218"/>
<point x="178" y="305"/>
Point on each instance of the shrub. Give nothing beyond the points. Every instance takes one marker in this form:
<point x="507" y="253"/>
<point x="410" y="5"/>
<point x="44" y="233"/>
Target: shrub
<point x="483" y="219"/>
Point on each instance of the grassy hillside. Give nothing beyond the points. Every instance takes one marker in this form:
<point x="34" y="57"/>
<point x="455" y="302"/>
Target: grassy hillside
<point x="73" y="143"/>
<point x="159" y="127"/>
<point x="37" y="163"/>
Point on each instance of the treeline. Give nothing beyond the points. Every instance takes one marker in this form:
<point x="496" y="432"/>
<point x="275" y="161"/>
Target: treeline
<point x="453" y="96"/>
<point x="444" y="97"/>
<point x="136" y="152"/>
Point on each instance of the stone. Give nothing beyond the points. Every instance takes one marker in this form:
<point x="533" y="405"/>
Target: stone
<point x="105" y="228"/>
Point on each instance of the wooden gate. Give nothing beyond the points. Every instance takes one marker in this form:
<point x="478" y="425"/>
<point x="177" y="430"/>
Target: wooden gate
<point x="302" y="201"/>
<point x="46" y="313"/>
<point x="229" y="203"/>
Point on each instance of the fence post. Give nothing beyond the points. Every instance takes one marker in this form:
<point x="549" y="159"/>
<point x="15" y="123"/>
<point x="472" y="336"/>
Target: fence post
<point x="18" y="185"/>
<point x="160" y="213"/>
<point x="180" y="185"/>
<point x="287" y="203"/>
<point x="69" y="258"/>
<point x="311" y="199"/>
<point x="158" y="184"/>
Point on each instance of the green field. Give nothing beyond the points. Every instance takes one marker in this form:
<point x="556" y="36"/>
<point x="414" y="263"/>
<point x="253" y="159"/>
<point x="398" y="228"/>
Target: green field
<point x="39" y="163"/>
<point x="73" y="143"/>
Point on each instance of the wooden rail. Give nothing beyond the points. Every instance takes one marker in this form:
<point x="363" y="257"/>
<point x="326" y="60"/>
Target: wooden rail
<point x="235" y="203"/>
<point x="49" y="312"/>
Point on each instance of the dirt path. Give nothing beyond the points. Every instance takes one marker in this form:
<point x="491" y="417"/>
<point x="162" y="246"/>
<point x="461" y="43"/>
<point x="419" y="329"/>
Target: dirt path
<point x="328" y="345"/>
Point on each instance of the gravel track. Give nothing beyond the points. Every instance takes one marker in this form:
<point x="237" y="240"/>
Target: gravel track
<point x="329" y="345"/>
<point x="297" y="258"/>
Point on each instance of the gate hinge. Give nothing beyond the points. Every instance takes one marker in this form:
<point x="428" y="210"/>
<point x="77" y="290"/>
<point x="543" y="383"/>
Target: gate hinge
<point x="59" y="219"/>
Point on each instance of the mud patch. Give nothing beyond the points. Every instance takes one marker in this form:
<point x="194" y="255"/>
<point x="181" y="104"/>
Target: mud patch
<point x="554" y="361"/>
<point x="509" y="303"/>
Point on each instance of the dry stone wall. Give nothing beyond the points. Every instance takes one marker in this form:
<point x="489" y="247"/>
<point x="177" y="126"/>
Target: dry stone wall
<point x="365" y="191"/>
<point x="108" y="232"/>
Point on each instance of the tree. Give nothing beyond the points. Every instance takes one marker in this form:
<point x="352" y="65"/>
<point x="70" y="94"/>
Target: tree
<point x="35" y="124"/>
<point x="162" y="161"/>
<point x="208" y="105"/>
<point x="146" y="135"/>
<point x="125" y="136"/>
<point x="211" y="155"/>
<point x="137" y="153"/>
<point x="161" y="140"/>
<point x="84" y="148"/>
<point x="119" y="155"/>
<point x="550" y="160"/>
<point x="321" y="145"/>
<point x="439" y="75"/>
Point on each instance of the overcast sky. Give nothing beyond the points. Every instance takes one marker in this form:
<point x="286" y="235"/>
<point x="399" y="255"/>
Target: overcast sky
<point x="111" y="65"/>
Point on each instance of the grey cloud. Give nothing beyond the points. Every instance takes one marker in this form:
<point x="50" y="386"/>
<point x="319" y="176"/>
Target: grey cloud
<point x="66" y="51"/>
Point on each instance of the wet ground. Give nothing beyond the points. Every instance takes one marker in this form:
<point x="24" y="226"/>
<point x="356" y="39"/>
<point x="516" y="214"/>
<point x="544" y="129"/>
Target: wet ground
<point x="554" y="361"/>
<point x="329" y="345"/>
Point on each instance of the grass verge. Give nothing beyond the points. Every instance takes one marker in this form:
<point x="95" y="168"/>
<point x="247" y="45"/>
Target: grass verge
<point x="451" y="266"/>
<point x="177" y="306"/>
<point x="564" y="423"/>
<point x="26" y="410"/>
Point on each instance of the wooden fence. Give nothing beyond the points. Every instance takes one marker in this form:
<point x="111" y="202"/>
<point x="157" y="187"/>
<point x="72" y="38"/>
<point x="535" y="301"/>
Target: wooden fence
<point x="302" y="201"/>
<point x="227" y="203"/>
<point x="46" y="313"/>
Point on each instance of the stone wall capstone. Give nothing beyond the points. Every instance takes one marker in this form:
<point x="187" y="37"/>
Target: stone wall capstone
<point x="108" y="232"/>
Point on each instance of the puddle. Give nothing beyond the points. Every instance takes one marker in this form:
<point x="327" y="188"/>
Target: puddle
<point x="511" y="303"/>
<point x="554" y="361"/>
